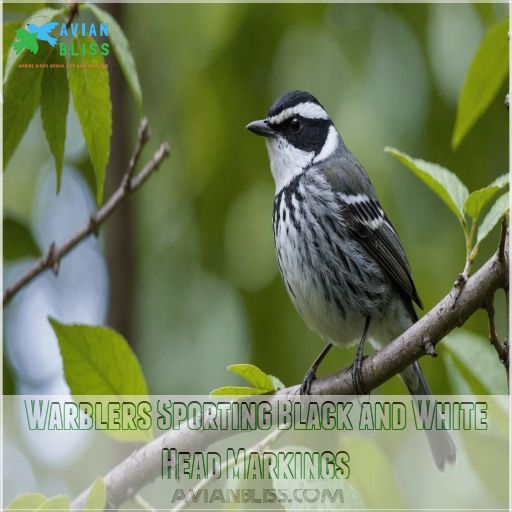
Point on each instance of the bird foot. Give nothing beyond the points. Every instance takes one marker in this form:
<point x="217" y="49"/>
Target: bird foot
<point x="305" y="387"/>
<point x="357" y="375"/>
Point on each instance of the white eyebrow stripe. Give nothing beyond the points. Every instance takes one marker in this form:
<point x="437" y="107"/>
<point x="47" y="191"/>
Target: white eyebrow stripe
<point x="308" y="110"/>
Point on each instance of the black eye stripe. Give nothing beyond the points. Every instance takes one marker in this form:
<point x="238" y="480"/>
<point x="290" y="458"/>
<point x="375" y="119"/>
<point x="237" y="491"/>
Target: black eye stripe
<point x="311" y="136"/>
<point x="286" y="122"/>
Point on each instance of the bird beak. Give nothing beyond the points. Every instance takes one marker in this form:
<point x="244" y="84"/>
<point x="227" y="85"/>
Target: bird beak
<point x="261" y="127"/>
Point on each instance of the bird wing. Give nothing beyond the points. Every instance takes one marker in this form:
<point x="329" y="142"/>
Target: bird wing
<point x="370" y="226"/>
<point x="48" y="27"/>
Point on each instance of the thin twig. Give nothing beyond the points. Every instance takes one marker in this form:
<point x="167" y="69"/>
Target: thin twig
<point x="73" y="13"/>
<point x="462" y="278"/>
<point x="55" y="254"/>
<point x="142" y="137"/>
<point x="261" y="445"/>
<point x="503" y="257"/>
<point x="503" y="239"/>
<point x="493" y="335"/>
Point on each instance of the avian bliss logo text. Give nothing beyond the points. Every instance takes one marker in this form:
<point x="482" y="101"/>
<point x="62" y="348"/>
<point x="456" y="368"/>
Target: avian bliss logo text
<point x="54" y="32"/>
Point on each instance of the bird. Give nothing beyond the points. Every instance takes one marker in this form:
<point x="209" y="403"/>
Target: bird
<point x="25" y="40"/>
<point x="339" y="256"/>
<point x="43" y="32"/>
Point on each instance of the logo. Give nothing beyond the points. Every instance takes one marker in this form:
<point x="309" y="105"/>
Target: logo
<point x="28" y="38"/>
<point x="53" y="32"/>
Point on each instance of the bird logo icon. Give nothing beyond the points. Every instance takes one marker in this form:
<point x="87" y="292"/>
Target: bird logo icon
<point x="27" y="38"/>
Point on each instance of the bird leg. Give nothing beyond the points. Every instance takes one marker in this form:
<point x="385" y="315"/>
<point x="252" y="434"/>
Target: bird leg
<point x="357" y="375"/>
<point x="305" y="388"/>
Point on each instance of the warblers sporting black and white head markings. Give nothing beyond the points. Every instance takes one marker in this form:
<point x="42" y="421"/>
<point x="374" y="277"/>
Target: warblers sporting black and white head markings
<point x="340" y="258"/>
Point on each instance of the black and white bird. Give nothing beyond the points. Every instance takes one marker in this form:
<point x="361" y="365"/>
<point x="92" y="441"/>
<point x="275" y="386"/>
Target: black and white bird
<point x="339" y="255"/>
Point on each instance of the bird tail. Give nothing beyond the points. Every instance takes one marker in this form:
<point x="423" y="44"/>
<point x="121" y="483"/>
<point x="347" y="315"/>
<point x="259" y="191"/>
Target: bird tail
<point x="441" y="443"/>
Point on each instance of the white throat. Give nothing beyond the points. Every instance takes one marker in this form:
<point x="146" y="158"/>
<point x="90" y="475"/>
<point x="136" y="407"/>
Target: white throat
<point x="287" y="161"/>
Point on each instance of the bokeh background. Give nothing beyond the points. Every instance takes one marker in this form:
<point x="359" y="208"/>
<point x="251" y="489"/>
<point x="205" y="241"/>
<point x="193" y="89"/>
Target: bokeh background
<point x="186" y="270"/>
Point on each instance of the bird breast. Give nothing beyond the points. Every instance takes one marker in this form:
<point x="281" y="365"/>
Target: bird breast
<point x="330" y="278"/>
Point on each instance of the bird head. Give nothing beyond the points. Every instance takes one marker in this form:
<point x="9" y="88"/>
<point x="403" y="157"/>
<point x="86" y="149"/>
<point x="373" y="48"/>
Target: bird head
<point x="298" y="133"/>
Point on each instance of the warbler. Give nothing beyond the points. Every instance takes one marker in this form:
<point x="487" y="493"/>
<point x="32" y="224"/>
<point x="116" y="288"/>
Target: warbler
<point x="340" y="258"/>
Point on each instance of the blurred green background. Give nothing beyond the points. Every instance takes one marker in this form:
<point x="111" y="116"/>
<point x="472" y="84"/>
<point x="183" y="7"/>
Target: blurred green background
<point x="194" y="284"/>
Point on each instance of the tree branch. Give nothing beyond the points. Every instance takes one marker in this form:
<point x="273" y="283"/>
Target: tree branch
<point x="144" y="465"/>
<point x="129" y="184"/>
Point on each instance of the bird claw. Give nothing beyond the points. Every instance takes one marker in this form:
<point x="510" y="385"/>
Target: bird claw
<point x="305" y="387"/>
<point x="357" y="376"/>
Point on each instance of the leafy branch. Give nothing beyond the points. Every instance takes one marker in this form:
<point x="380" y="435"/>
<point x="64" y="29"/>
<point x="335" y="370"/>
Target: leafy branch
<point x="40" y="79"/>
<point x="129" y="184"/>
<point x="467" y="207"/>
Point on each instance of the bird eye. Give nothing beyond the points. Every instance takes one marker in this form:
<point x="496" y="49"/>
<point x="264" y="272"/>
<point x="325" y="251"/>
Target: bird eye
<point x="295" y="125"/>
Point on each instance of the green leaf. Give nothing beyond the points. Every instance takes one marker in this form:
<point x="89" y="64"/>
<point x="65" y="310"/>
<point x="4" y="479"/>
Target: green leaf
<point x="22" y="93"/>
<point x="253" y="375"/>
<point x="497" y="211"/>
<point x="122" y="50"/>
<point x="277" y="383"/>
<point x="54" y="108"/>
<point x="27" y="501"/>
<point x="9" y="28"/>
<point x="89" y="84"/>
<point x="440" y="180"/>
<point x="98" y="361"/>
<point x="483" y="81"/>
<point x="18" y="240"/>
<point x="261" y="383"/>
<point x="55" y="503"/>
<point x="237" y="391"/>
<point x="97" y="497"/>
<point x="478" y="199"/>
<point x="501" y="181"/>
<point x="486" y="377"/>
